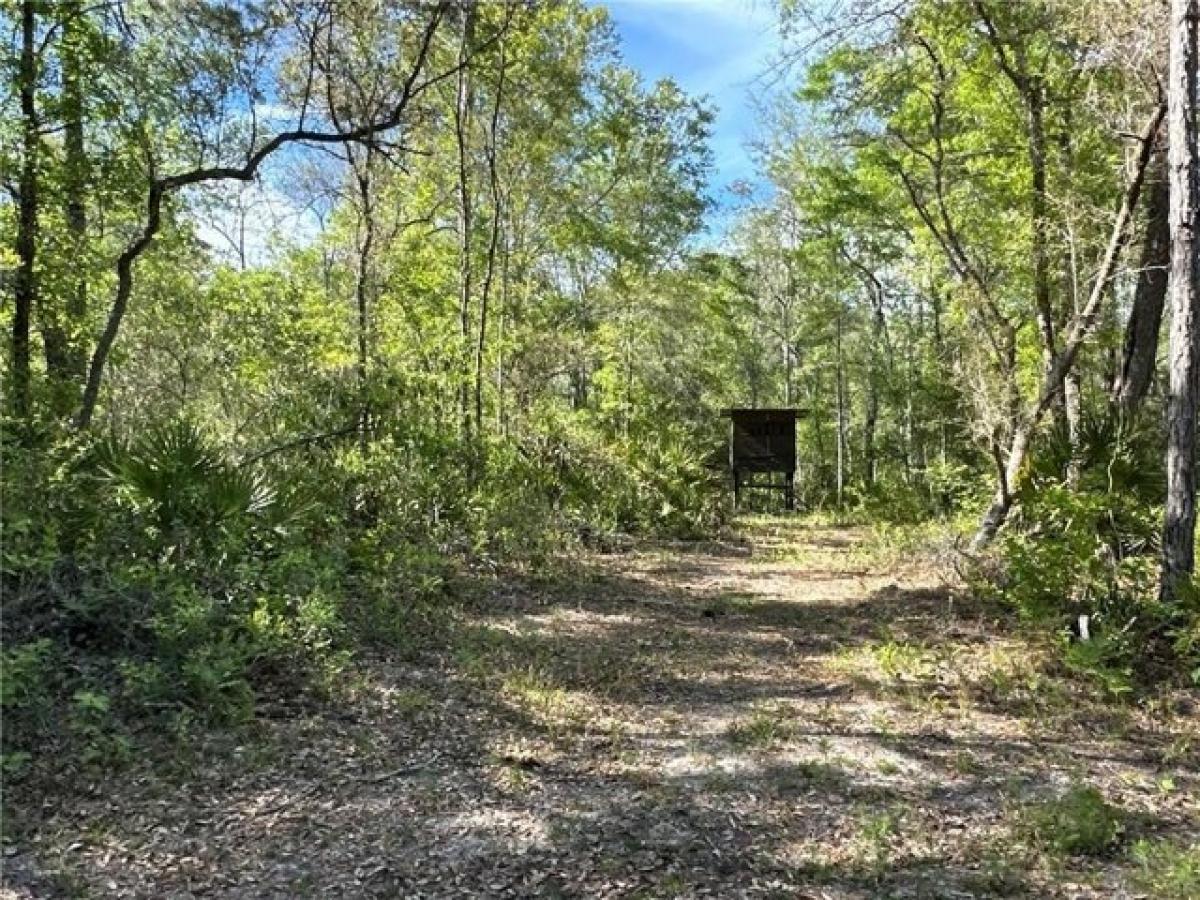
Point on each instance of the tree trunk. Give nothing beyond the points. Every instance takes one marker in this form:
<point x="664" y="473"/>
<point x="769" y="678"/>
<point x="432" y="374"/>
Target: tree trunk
<point x="62" y="323"/>
<point x="1072" y="404"/>
<point x="1014" y="63"/>
<point x="1069" y="407"/>
<point x="25" y="284"/>
<point x="363" y="288"/>
<point x="78" y="176"/>
<point x="493" y="245"/>
<point x="880" y="343"/>
<point x="1035" y="102"/>
<point x="789" y="369"/>
<point x="1140" y="350"/>
<point x="870" y="418"/>
<point x="788" y="374"/>
<point x="501" y="320"/>
<point x="59" y="323"/>
<point x="841" y="417"/>
<point x="814" y="399"/>
<point x="462" y="120"/>
<point x="1179" y="521"/>
<point x="1033" y="95"/>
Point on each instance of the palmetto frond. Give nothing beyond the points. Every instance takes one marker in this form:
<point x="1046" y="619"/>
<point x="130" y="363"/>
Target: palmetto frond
<point x="180" y="474"/>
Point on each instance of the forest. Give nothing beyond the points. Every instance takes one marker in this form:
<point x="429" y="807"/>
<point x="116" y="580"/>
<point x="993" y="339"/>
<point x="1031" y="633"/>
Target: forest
<point x="367" y="519"/>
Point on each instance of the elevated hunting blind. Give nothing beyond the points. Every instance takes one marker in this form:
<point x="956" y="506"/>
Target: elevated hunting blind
<point x="763" y="441"/>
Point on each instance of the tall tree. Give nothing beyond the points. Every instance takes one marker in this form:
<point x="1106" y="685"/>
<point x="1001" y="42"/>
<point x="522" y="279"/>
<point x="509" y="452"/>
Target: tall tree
<point x="25" y="288"/>
<point x="463" y="107"/>
<point x="1080" y="328"/>
<point x="491" y="152"/>
<point x="76" y="177"/>
<point x="1183" y="163"/>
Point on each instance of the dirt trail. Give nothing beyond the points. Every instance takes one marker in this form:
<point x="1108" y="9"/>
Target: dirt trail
<point x="780" y="717"/>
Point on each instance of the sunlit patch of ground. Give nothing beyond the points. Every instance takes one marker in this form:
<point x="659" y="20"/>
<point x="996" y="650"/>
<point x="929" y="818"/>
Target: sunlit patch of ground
<point x="793" y="714"/>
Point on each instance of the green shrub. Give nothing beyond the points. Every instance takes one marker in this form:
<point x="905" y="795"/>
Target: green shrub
<point x="185" y="495"/>
<point x="1181" y="626"/>
<point x="167" y="576"/>
<point x="25" y="675"/>
<point x="96" y="730"/>
<point x="766" y="726"/>
<point x="214" y="678"/>
<point x="28" y="682"/>
<point x="1065" y="555"/>
<point x="1104" y="659"/>
<point x="954" y="485"/>
<point x="1088" y="546"/>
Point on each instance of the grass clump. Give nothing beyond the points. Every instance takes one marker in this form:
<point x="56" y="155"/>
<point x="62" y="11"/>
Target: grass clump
<point x="535" y="689"/>
<point x="766" y="726"/>
<point x="999" y="876"/>
<point x="1079" y="822"/>
<point x="730" y="603"/>
<point x="1167" y="870"/>
<point x="876" y="831"/>
<point x="901" y="661"/>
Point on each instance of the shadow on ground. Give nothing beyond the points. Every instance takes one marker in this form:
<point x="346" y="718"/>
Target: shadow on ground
<point x="672" y="722"/>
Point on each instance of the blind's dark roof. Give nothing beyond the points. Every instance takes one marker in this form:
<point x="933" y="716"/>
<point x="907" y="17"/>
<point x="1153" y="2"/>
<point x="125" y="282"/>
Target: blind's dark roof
<point x="775" y="412"/>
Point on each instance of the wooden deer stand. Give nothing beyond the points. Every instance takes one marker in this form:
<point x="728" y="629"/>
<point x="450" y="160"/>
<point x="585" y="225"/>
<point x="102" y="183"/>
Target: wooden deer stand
<point x="763" y="441"/>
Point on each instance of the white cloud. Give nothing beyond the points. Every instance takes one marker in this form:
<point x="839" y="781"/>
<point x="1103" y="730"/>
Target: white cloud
<point x="252" y="222"/>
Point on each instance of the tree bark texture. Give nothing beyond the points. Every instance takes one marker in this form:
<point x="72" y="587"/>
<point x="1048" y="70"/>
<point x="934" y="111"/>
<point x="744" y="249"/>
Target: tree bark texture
<point x="1140" y="349"/>
<point x="1179" y="520"/>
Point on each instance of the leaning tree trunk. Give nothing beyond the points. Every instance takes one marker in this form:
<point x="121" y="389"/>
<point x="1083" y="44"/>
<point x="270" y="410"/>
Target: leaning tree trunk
<point x="1179" y="520"/>
<point x="1140" y="348"/>
<point x="1081" y="327"/>
<point x="164" y="187"/>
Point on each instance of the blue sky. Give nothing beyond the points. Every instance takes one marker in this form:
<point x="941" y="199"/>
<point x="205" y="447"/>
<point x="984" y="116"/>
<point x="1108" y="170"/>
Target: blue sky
<point x="712" y="48"/>
<point x="716" y="48"/>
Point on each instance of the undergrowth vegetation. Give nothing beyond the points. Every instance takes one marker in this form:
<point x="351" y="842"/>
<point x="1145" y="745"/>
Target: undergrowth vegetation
<point x="1085" y="543"/>
<point x="162" y="576"/>
<point x="1168" y="870"/>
